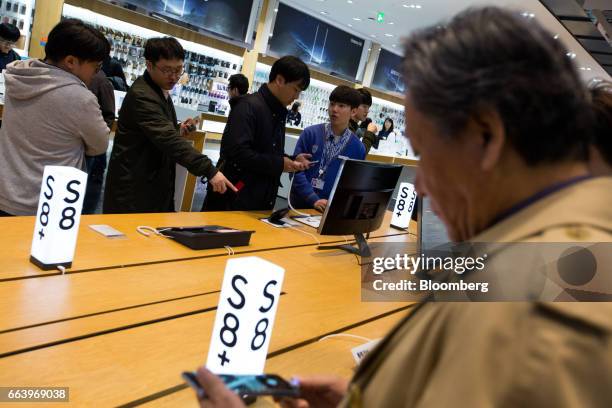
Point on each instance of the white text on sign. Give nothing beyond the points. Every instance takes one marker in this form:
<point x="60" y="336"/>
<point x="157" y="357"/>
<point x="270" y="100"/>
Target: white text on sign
<point x="245" y="316"/>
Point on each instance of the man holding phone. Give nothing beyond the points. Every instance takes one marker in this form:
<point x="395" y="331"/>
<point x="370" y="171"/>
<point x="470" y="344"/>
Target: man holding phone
<point x="325" y="142"/>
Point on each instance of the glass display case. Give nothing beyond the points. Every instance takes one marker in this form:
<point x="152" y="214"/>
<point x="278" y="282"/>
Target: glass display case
<point x="203" y="87"/>
<point x="20" y="13"/>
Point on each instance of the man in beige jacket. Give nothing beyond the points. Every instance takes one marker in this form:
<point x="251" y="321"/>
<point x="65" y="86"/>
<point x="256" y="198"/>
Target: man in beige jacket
<point x="500" y="119"/>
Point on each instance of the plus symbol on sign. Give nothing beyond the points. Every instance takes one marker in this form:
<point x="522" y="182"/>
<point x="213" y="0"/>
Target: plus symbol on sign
<point x="223" y="358"/>
<point x="399" y="214"/>
<point x="41" y="233"/>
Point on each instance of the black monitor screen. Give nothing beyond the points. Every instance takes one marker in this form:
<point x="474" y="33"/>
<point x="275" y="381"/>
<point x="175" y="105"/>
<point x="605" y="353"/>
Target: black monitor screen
<point x="388" y="75"/>
<point x="359" y="198"/>
<point x="227" y="18"/>
<point x="317" y="43"/>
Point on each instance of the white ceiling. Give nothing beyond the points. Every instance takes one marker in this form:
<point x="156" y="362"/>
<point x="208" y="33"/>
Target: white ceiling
<point x="399" y="21"/>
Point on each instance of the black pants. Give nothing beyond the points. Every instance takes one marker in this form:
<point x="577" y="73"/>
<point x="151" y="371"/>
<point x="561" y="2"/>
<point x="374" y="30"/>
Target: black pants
<point x="96" y="165"/>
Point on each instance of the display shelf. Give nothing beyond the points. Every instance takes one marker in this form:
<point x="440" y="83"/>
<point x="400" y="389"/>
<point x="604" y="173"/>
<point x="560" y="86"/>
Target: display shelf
<point x="203" y="88"/>
<point x="20" y="13"/>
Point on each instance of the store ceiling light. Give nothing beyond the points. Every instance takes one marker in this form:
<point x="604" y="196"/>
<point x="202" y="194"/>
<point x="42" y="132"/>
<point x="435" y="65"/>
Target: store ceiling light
<point x="324" y="13"/>
<point x="388" y="35"/>
<point x="276" y="10"/>
<point x="572" y="55"/>
<point x="350" y="25"/>
<point x="373" y="35"/>
<point x="527" y="14"/>
<point x="412" y="6"/>
<point x="556" y="37"/>
<point x="390" y="23"/>
<point x="349" y="1"/>
<point x="585" y="68"/>
<point x="356" y="19"/>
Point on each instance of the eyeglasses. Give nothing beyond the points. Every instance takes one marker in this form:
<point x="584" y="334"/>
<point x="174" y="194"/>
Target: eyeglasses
<point x="167" y="71"/>
<point x="7" y="43"/>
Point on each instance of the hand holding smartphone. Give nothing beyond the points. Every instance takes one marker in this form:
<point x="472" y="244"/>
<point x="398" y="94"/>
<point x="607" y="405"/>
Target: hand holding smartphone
<point x="249" y="385"/>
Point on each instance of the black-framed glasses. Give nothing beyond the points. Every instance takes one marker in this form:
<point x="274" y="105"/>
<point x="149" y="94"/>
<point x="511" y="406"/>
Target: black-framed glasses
<point x="167" y="71"/>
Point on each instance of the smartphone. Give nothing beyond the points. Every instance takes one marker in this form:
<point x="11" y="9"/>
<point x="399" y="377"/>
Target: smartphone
<point x="249" y="385"/>
<point x="314" y="162"/>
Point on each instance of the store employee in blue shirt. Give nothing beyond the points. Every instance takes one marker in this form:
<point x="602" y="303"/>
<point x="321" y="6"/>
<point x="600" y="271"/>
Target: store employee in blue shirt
<point x="325" y="142"/>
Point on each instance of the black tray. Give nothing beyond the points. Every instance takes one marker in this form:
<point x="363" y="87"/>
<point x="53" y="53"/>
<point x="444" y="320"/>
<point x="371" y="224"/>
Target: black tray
<point x="207" y="236"/>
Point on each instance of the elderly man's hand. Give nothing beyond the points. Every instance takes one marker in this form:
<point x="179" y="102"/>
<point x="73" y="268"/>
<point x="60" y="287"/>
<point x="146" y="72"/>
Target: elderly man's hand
<point x="216" y="394"/>
<point x="318" y="391"/>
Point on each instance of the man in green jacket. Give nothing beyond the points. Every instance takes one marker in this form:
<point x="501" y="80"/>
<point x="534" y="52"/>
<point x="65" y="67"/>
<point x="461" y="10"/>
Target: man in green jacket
<point x="149" y="143"/>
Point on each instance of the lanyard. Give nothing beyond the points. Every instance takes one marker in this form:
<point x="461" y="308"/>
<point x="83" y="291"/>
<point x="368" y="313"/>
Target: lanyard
<point x="331" y="150"/>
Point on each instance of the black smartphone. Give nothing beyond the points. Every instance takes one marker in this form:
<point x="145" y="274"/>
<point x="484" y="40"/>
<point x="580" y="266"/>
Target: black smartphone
<point x="249" y="385"/>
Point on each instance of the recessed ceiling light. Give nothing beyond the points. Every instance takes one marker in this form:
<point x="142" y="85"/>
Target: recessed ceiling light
<point x="350" y="25"/>
<point x="356" y="19"/>
<point x="412" y="6"/>
<point x="390" y="23"/>
<point x="388" y="35"/>
<point x="556" y="37"/>
<point x="276" y="10"/>
<point x="585" y="68"/>
<point x="324" y="12"/>
<point x="349" y="1"/>
<point x="570" y="54"/>
<point x="394" y="45"/>
<point x="373" y="35"/>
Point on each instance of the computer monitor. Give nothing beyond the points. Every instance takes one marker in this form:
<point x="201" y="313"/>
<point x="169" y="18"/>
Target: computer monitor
<point x="358" y="201"/>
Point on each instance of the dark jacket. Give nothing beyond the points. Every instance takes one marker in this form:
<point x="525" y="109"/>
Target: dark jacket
<point x="367" y="138"/>
<point x="7" y="58"/>
<point x="147" y="147"/>
<point x="252" y="153"/>
<point x="103" y="89"/>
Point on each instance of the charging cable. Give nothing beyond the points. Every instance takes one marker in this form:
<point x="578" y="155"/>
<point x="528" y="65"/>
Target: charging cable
<point x="345" y="335"/>
<point x="147" y="231"/>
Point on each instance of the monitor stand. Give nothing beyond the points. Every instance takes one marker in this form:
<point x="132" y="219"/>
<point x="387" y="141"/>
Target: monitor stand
<point x="362" y="248"/>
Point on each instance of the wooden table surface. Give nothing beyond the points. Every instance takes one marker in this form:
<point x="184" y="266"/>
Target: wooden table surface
<point x="95" y="251"/>
<point x="122" y="335"/>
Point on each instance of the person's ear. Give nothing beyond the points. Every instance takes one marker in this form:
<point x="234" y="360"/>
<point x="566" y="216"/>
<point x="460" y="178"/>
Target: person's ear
<point x="489" y="137"/>
<point x="149" y="65"/>
<point x="71" y="61"/>
<point x="279" y="80"/>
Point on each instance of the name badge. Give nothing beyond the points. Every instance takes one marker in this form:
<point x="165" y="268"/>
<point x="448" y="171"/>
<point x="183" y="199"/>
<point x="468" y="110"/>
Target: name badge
<point x="58" y="217"/>
<point x="245" y="316"/>
<point x="318" y="183"/>
<point x="404" y="205"/>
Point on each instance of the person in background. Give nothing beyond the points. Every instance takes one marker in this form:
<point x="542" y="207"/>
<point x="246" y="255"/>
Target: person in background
<point x="294" y="117"/>
<point x="238" y="86"/>
<point x="325" y="142"/>
<point x="494" y="174"/>
<point x="600" y="151"/>
<point x="114" y="72"/>
<point x="96" y="165"/>
<point x="367" y="134"/>
<point x="253" y="144"/>
<point x="9" y="35"/>
<point x="50" y="117"/>
<point x="149" y="142"/>
<point x="387" y="129"/>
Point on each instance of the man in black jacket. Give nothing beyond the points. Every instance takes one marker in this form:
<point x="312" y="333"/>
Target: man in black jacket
<point x="253" y="144"/>
<point x="149" y="143"/>
<point x="360" y="124"/>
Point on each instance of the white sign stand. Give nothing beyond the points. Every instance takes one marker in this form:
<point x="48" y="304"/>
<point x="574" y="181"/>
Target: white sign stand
<point x="245" y="316"/>
<point x="58" y="217"/>
<point x="404" y="205"/>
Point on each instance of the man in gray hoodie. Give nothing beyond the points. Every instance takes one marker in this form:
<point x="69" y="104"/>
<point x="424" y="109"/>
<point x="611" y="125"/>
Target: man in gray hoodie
<point x="50" y="117"/>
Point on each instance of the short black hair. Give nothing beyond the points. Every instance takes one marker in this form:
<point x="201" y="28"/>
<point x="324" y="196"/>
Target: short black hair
<point x="477" y="62"/>
<point x="239" y="82"/>
<point x="9" y="32"/>
<point x="366" y="96"/>
<point x="295" y="106"/>
<point x="292" y="69"/>
<point x="601" y="94"/>
<point x="163" y="47"/>
<point x="347" y="95"/>
<point x="73" y="37"/>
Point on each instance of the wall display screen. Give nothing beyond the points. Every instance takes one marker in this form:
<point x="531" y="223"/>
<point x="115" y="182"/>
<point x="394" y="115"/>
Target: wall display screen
<point x="227" y="18"/>
<point x="388" y="75"/>
<point x="315" y="42"/>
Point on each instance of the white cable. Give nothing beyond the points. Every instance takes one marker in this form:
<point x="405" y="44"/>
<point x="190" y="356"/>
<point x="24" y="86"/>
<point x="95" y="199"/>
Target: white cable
<point x="345" y="335"/>
<point x="304" y="232"/>
<point x="62" y="269"/>
<point x="142" y="229"/>
<point x="289" y="199"/>
<point x="230" y="250"/>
